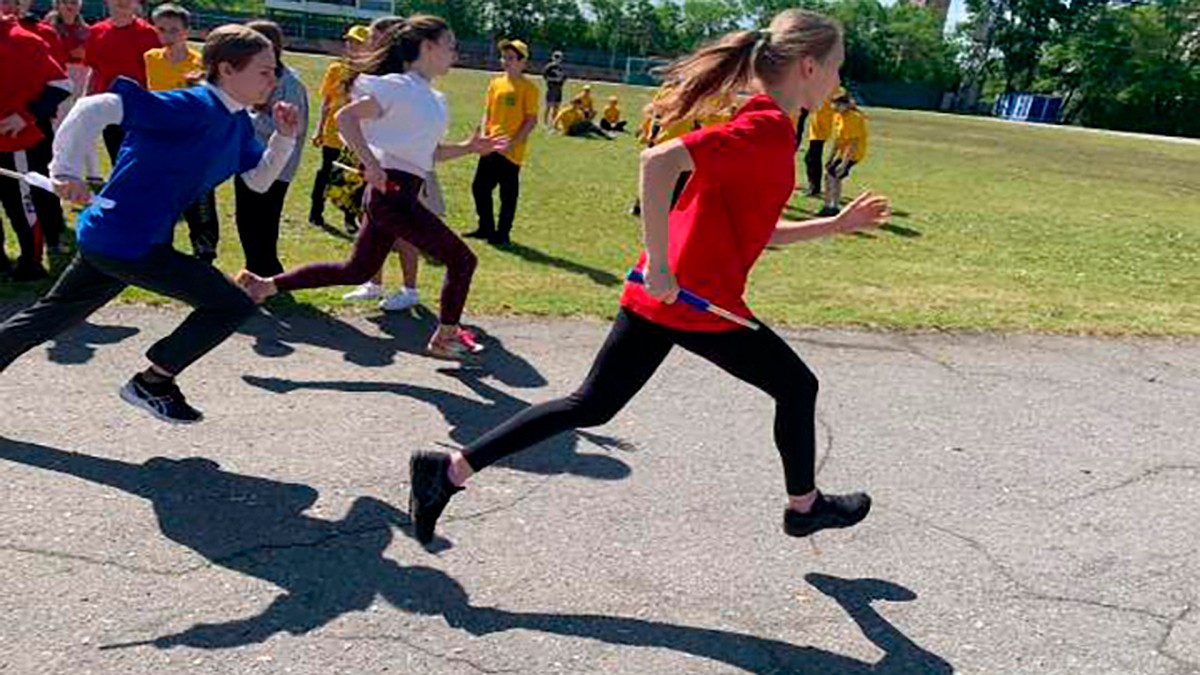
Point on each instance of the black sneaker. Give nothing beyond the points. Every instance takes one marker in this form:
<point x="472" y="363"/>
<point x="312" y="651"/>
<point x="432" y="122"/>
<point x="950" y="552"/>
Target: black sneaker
<point x="351" y="225"/>
<point x="499" y="239"/>
<point x="828" y="212"/>
<point x="28" y="272"/>
<point x="316" y="219"/>
<point x="480" y="233"/>
<point x="163" y="400"/>
<point x="828" y="512"/>
<point x="429" y="491"/>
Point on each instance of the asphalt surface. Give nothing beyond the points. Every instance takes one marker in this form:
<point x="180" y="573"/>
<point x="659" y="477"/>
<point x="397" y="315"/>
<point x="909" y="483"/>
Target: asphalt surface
<point x="1035" y="509"/>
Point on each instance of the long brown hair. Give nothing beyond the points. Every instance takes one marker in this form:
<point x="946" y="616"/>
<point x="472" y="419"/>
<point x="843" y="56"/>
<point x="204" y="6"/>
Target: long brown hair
<point x="698" y="84"/>
<point x="400" y="46"/>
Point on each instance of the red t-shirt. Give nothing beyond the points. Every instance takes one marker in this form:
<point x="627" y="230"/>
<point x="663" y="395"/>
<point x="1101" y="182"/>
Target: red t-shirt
<point x="26" y="69"/>
<point x="48" y="34"/>
<point x="73" y="37"/>
<point x="744" y="176"/>
<point x="115" y="51"/>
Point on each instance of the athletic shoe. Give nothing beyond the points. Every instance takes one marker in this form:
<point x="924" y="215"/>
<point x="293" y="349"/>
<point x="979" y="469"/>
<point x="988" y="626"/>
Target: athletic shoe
<point x="430" y="490"/>
<point x="401" y="300"/>
<point x="316" y="220"/>
<point x="828" y="512"/>
<point x="351" y="225"/>
<point x="367" y="291"/>
<point x="499" y="239"/>
<point x="460" y="346"/>
<point x="480" y="233"/>
<point x="28" y="272"/>
<point x="828" y="211"/>
<point x="163" y="400"/>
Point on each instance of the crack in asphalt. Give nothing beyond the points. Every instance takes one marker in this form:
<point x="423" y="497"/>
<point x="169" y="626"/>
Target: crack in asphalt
<point x="1146" y="474"/>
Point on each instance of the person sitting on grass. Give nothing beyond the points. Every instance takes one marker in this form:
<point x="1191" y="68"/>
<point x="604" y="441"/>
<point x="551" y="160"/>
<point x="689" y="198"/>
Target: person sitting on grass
<point x="610" y="119"/>
<point x="572" y="121"/>
<point x="850" y="148"/>
<point x="585" y="102"/>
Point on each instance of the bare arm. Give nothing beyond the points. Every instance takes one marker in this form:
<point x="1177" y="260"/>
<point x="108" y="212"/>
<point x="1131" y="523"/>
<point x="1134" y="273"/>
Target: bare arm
<point x="867" y="211"/>
<point x="660" y="169"/>
<point x="349" y="121"/>
<point x="527" y="127"/>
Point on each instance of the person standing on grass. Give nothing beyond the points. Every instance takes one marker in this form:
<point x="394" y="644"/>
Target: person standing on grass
<point x="176" y="65"/>
<point x="335" y="93"/>
<point x="555" y="75"/>
<point x="820" y="127"/>
<point x="258" y="214"/>
<point x="130" y="242"/>
<point x="32" y="87"/>
<point x="115" y="48"/>
<point x="511" y="109"/>
<point x="67" y="20"/>
<point x="395" y="124"/>
<point x="430" y="197"/>
<point x="744" y="172"/>
<point x="850" y="148"/>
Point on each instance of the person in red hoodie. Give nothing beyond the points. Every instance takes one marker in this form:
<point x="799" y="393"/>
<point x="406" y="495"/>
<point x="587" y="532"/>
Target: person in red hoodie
<point x="115" y="48"/>
<point x="32" y="85"/>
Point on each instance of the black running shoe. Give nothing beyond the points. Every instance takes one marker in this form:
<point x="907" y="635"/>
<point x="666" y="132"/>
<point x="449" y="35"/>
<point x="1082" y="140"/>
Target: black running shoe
<point x="430" y="491"/>
<point x="828" y="512"/>
<point x="480" y="233"/>
<point x="163" y="400"/>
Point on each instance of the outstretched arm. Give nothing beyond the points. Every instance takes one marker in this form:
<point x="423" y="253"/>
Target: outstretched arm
<point x="866" y="212"/>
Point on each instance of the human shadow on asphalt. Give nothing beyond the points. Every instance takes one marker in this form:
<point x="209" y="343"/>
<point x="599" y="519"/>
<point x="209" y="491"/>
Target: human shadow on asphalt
<point x="470" y="418"/>
<point x="257" y="527"/>
<point x="78" y="345"/>
<point x="279" y="327"/>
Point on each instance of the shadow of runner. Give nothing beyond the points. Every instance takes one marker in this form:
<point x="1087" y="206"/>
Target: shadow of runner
<point x="599" y="276"/>
<point x="469" y="419"/>
<point x="257" y="527"/>
<point x="78" y="345"/>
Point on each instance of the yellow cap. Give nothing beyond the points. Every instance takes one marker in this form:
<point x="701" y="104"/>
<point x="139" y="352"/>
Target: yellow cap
<point x="520" y="47"/>
<point x="357" y="33"/>
<point x="587" y="87"/>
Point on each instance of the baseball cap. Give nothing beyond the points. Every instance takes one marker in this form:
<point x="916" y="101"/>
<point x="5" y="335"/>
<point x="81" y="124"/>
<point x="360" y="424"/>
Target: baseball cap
<point x="357" y="33"/>
<point x="520" y="47"/>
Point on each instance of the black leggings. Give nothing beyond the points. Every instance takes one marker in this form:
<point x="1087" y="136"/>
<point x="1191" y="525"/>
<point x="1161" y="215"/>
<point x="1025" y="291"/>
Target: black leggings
<point x="633" y="351"/>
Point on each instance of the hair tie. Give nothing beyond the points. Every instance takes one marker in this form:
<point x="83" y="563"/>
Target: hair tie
<point x="762" y="36"/>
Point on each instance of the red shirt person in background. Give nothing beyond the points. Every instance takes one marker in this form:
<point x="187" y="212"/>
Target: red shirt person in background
<point x="115" y="47"/>
<point x="30" y="22"/>
<point x="32" y="84"/>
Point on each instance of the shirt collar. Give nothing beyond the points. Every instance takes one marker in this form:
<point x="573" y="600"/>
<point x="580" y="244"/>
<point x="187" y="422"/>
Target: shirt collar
<point x="230" y="104"/>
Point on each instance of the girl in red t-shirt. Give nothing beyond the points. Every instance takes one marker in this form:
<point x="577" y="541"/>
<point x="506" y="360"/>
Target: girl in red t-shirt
<point x="744" y="167"/>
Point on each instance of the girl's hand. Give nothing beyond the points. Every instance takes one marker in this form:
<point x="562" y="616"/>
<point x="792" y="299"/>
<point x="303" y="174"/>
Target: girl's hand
<point x="12" y="125"/>
<point x="660" y="282"/>
<point x="867" y="211"/>
<point x="486" y="145"/>
<point x="72" y="190"/>
<point x="316" y="140"/>
<point x="287" y="119"/>
<point x="375" y="176"/>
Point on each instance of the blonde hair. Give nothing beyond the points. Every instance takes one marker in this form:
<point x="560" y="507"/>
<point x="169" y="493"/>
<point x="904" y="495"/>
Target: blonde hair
<point x="699" y="82"/>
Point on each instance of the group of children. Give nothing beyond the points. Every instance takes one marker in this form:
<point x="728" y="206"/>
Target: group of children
<point x="742" y="174"/>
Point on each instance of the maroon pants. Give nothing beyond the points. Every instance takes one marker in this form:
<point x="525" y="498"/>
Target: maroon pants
<point x="396" y="214"/>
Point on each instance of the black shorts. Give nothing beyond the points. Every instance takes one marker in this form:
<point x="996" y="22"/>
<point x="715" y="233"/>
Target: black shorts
<point x="553" y="95"/>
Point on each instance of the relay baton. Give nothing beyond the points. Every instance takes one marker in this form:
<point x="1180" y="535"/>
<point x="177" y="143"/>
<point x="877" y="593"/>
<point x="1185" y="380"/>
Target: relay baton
<point x="41" y="182"/>
<point x="692" y="300"/>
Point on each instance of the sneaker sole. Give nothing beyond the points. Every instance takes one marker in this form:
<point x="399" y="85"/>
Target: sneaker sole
<point x="131" y="398"/>
<point x="405" y="308"/>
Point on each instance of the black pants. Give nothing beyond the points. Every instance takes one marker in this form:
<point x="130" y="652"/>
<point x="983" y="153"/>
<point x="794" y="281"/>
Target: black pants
<point x="90" y="281"/>
<point x="204" y="226"/>
<point x="31" y="211"/>
<point x="633" y="351"/>
<point x="801" y="123"/>
<point x="316" y="211"/>
<point x="496" y="169"/>
<point x="258" y="216"/>
<point x="612" y="126"/>
<point x="814" y="163"/>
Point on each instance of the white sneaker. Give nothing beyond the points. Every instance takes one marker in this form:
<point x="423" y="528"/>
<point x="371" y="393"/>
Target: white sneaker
<point x="367" y="291"/>
<point x="400" y="300"/>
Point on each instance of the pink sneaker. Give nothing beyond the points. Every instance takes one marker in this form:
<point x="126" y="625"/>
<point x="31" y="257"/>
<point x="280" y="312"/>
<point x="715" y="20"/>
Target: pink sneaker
<point x="461" y="346"/>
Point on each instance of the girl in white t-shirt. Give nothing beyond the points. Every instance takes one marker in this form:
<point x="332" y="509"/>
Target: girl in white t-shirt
<point x="395" y="123"/>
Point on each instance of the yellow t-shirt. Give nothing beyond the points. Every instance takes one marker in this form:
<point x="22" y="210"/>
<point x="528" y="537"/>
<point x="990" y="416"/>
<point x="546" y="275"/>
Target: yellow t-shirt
<point x="162" y="74"/>
<point x="509" y="102"/>
<point x="612" y="113"/>
<point x="585" y="98"/>
<point x="850" y="126"/>
<point x="567" y="118"/>
<point x="820" y="123"/>
<point x="334" y="95"/>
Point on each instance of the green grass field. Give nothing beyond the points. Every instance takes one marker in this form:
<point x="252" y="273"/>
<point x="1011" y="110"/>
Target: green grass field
<point x="998" y="227"/>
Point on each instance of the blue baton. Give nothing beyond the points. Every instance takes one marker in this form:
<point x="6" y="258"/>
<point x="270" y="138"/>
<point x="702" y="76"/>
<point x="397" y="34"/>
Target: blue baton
<point x="692" y="300"/>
